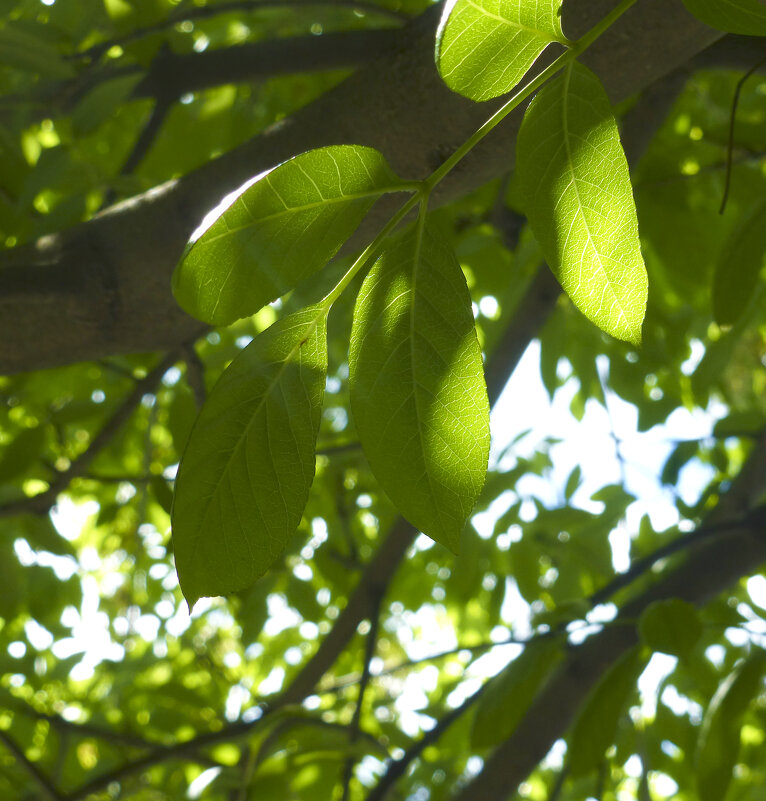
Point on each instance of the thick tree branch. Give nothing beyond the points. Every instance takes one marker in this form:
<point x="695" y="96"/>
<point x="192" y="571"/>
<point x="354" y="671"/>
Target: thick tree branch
<point x="103" y="287"/>
<point x="175" y="74"/>
<point x="707" y="571"/>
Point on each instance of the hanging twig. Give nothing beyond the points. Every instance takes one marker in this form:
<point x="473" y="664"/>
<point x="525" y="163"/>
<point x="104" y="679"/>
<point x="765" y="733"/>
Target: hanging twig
<point x="732" y="121"/>
<point x="369" y="652"/>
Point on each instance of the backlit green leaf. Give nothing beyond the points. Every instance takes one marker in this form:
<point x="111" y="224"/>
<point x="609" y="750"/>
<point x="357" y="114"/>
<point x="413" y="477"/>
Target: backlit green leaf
<point x="747" y="17"/>
<point x="719" y="739"/>
<point x="504" y="703"/>
<point x="279" y="231"/>
<point x="417" y="384"/>
<point x="736" y="276"/>
<point x="245" y="476"/>
<point x="574" y="176"/>
<point x="596" y="724"/>
<point x="485" y="47"/>
<point x="672" y="626"/>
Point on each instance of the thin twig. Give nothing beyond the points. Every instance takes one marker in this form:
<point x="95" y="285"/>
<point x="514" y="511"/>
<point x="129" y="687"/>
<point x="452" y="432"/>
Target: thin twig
<point x="644" y="564"/>
<point x="397" y="768"/>
<point x="143" y="144"/>
<point x="369" y="652"/>
<point x="204" y="12"/>
<point x="39" y="778"/>
<point x="732" y="122"/>
<point x="195" y="374"/>
<point x="41" y="503"/>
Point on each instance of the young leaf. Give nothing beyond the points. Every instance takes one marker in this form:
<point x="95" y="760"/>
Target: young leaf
<point x="503" y="705"/>
<point x="719" y="739"/>
<point x="672" y="626"/>
<point x="573" y="172"/>
<point x="747" y="17"/>
<point x="280" y="230"/>
<point x="596" y="723"/>
<point x="736" y="274"/>
<point x="485" y="47"/>
<point x="245" y="476"/>
<point x="417" y="384"/>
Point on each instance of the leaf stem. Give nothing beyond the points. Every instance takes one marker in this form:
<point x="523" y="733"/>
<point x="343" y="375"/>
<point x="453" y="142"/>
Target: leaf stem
<point x="577" y="48"/>
<point x="372" y="251"/>
<point x="422" y="189"/>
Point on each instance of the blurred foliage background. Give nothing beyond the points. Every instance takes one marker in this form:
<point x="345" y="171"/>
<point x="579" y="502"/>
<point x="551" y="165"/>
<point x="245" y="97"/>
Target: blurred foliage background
<point x="109" y="689"/>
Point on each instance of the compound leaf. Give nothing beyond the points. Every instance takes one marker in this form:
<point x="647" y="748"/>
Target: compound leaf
<point x="747" y="17"/>
<point x="485" y="47"/>
<point x="574" y="175"/>
<point x="417" y="384"/>
<point x="736" y="275"/>
<point x="245" y="476"/>
<point x="279" y="231"/>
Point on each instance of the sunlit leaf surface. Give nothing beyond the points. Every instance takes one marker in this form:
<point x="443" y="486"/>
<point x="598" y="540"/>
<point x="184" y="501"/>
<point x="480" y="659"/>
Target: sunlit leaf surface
<point x="283" y="228"/>
<point x="485" y="47"/>
<point x="417" y="384"/>
<point x="246" y="473"/>
<point x="579" y="201"/>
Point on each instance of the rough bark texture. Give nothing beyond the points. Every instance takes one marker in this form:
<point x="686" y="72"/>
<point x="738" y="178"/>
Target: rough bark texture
<point x="103" y="287"/>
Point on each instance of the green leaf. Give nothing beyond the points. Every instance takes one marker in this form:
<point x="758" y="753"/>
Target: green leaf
<point x="24" y="51"/>
<point x="279" y="231"/>
<point x="596" y="724"/>
<point x="244" y="479"/>
<point x="749" y="423"/>
<point x="485" y="47"/>
<point x="417" y="384"/>
<point x="719" y="739"/>
<point x="747" y="17"/>
<point x="505" y="701"/>
<point x="21" y="453"/>
<point x="735" y="281"/>
<point x="672" y="626"/>
<point x="102" y="102"/>
<point x="574" y="175"/>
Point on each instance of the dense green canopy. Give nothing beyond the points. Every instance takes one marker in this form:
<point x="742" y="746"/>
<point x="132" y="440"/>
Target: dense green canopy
<point x="598" y="631"/>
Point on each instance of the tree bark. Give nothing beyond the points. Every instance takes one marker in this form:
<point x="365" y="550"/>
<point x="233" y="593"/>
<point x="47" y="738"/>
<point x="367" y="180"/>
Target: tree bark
<point x="103" y="287"/>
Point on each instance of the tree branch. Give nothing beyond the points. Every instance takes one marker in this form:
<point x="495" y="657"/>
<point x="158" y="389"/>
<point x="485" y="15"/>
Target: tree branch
<point x="705" y="573"/>
<point x="397" y="768"/>
<point x="369" y="652"/>
<point x="41" y="503"/>
<point x="37" y="776"/>
<point x="54" y="292"/>
<point x="174" y="74"/>
<point x="241" y="6"/>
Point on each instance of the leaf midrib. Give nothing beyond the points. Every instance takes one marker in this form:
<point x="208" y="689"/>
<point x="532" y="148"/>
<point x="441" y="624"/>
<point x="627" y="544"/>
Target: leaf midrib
<point x="420" y="232"/>
<point x="204" y="516"/>
<point x="209" y="240"/>
<point x="580" y="205"/>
